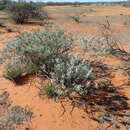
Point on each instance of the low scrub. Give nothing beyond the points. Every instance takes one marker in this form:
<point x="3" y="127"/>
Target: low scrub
<point x="50" y="90"/>
<point x="21" y="12"/>
<point x="47" y="53"/>
<point x="13" y="74"/>
<point x="76" y="19"/>
<point x="9" y="29"/>
<point x="91" y="11"/>
<point x="2" y="7"/>
<point x="2" y="23"/>
<point x="12" y="116"/>
<point x="36" y="51"/>
<point x="97" y="45"/>
<point x="74" y="76"/>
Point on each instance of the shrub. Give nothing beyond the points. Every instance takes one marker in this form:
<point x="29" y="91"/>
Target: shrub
<point x="90" y="10"/>
<point x="2" y="7"/>
<point x="3" y="4"/>
<point x="16" y="71"/>
<point x="50" y="90"/>
<point x="96" y="45"/>
<point x="73" y="75"/>
<point x="17" y="115"/>
<point x="1" y="23"/>
<point x="47" y="24"/>
<point x="76" y="19"/>
<point x="12" y="116"/>
<point x="13" y="74"/>
<point x="47" y="52"/>
<point x="20" y="12"/>
<point x="37" y="49"/>
<point x="9" y="29"/>
<point x="126" y="23"/>
<point x="31" y="69"/>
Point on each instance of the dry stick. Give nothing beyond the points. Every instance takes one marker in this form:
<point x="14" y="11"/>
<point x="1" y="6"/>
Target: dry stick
<point x="114" y="44"/>
<point x="73" y="103"/>
<point x="122" y="114"/>
<point x="64" y="110"/>
<point x="72" y="109"/>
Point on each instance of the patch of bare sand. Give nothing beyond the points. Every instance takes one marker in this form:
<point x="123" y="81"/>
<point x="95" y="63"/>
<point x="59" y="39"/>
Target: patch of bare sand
<point x="47" y="113"/>
<point x="108" y="10"/>
<point x="98" y="10"/>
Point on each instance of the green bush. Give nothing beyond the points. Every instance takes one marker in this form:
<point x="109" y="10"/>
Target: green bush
<point x="13" y="73"/>
<point x="20" y="12"/>
<point x="50" y="90"/>
<point x="16" y="71"/>
<point x="31" y="69"/>
<point x="9" y="29"/>
<point x="2" y="7"/>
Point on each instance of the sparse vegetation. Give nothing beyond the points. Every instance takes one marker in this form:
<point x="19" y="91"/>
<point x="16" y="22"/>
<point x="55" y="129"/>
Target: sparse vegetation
<point x="39" y="49"/>
<point x="95" y="44"/>
<point x="76" y="19"/>
<point x="48" y="50"/>
<point x="66" y="67"/>
<point x="13" y="74"/>
<point x="2" y="7"/>
<point x="50" y="90"/>
<point x="9" y="29"/>
<point x="21" y="12"/>
<point x="126" y="23"/>
<point x="47" y="24"/>
<point x="47" y="54"/>
<point x="12" y="116"/>
<point x="1" y="23"/>
<point x="73" y="75"/>
<point x="90" y="11"/>
<point x="3" y="4"/>
<point x="117" y="66"/>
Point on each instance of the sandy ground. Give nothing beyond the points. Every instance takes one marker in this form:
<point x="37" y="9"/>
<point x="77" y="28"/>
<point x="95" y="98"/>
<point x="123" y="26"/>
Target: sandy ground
<point x="47" y="113"/>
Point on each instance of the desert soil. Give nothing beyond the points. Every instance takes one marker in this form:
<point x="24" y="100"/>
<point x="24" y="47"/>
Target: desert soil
<point x="47" y="112"/>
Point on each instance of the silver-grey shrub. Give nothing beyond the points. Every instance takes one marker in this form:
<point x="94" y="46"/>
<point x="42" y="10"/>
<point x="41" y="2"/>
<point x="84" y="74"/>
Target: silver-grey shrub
<point x="48" y="53"/>
<point x="12" y="116"/>
<point x="74" y="75"/>
<point x="38" y="48"/>
<point x="95" y="46"/>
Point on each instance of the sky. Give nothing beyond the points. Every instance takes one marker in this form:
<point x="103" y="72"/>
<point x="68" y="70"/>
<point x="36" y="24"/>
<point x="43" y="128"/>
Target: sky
<point x="75" y="0"/>
<point x="80" y="0"/>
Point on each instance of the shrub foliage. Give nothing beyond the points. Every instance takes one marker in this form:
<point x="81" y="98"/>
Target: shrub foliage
<point x="12" y="116"/>
<point x="73" y="74"/>
<point x="47" y="53"/>
<point x="37" y="50"/>
<point x="20" y="12"/>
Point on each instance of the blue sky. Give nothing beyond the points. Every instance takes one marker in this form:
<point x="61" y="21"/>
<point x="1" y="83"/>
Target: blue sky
<point x="80" y="0"/>
<point x="77" y="0"/>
